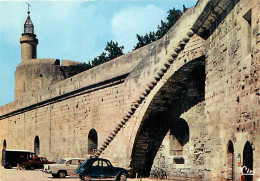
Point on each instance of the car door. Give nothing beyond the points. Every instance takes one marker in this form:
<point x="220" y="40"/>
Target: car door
<point x="36" y="162"/>
<point x="40" y="165"/>
<point x="44" y="161"/>
<point x="96" y="169"/>
<point x="71" y="166"/>
<point x="107" y="169"/>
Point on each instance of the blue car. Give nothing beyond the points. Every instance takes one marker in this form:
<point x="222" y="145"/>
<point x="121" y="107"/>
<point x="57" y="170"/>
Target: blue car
<point x="100" y="168"/>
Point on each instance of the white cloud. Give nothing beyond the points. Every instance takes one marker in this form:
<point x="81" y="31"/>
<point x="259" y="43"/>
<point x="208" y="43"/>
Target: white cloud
<point x="135" y="20"/>
<point x="76" y="30"/>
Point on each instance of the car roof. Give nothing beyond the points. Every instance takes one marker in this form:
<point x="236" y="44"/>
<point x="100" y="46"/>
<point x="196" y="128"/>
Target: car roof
<point x="98" y="159"/>
<point x="38" y="157"/>
<point x="19" y="150"/>
<point x="73" y="158"/>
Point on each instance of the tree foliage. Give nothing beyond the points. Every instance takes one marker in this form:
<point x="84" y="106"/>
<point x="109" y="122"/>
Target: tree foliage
<point x="112" y="50"/>
<point x="172" y="18"/>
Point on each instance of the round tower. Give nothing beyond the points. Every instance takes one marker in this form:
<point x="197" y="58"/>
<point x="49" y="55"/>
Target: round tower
<point x="32" y="74"/>
<point x="28" y="41"/>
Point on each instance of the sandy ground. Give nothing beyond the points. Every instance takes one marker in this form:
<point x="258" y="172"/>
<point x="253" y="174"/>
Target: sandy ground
<point x="29" y="175"/>
<point x="38" y="175"/>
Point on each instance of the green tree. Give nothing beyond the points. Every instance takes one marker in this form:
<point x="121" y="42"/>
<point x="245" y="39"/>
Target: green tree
<point x="102" y="58"/>
<point x="172" y="18"/>
<point x="76" y="69"/>
<point x="113" y="50"/>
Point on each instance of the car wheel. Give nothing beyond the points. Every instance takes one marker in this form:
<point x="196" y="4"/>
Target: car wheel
<point x="54" y="175"/>
<point x="85" y="177"/>
<point x="8" y="166"/>
<point x="32" y="167"/>
<point x="62" y="174"/>
<point x="122" y="177"/>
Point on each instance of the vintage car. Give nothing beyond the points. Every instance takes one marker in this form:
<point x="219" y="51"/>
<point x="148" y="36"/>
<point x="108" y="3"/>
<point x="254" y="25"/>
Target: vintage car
<point x="100" y="168"/>
<point x="64" y="167"/>
<point x="36" y="162"/>
<point x="10" y="157"/>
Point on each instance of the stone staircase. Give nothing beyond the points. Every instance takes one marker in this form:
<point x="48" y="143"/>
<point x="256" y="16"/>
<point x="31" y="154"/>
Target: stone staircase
<point x="148" y="88"/>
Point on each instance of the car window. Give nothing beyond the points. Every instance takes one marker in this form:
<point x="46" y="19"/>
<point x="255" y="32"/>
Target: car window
<point x="81" y="161"/>
<point x="62" y="161"/>
<point x="68" y="162"/>
<point x="37" y="159"/>
<point x="106" y="163"/>
<point x="96" y="163"/>
<point x="44" y="160"/>
<point x="74" y="162"/>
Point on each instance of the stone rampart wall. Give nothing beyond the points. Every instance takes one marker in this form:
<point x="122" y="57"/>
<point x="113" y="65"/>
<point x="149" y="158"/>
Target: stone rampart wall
<point x="63" y="114"/>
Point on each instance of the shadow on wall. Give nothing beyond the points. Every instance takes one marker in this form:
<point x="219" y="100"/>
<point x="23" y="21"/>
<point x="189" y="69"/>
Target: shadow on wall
<point x="185" y="89"/>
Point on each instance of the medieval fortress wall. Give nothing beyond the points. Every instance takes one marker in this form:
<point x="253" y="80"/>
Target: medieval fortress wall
<point x="135" y="88"/>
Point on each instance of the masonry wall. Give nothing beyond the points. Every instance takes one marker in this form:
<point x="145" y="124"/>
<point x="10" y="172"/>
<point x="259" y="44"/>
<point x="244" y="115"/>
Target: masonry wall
<point x="231" y="102"/>
<point x="232" y="84"/>
<point x="63" y="127"/>
<point x="63" y="114"/>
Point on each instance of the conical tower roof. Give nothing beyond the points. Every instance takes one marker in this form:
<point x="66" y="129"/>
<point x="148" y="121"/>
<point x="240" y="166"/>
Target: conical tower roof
<point x="28" y="25"/>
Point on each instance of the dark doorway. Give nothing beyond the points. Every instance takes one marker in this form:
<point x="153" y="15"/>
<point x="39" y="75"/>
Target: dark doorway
<point x="248" y="159"/>
<point x="230" y="161"/>
<point x="4" y="145"/>
<point x="37" y="145"/>
<point x="179" y="136"/>
<point x="92" y="141"/>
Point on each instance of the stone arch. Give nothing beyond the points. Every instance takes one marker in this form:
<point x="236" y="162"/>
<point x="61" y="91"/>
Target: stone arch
<point x="248" y="159"/>
<point x="92" y="141"/>
<point x="4" y="144"/>
<point x="183" y="90"/>
<point x="37" y="145"/>
<point x="230" y="161"/>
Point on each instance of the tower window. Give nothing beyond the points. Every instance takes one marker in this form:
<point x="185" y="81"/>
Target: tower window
<point x="247" y="28"/>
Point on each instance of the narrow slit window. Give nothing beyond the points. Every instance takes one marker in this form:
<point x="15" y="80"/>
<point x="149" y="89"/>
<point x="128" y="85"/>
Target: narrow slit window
<point x="248" y="30"/>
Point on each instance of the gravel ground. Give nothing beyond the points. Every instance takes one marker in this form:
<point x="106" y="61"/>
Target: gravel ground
<point x="38" y="175"/>
<point x="30" y="175"/>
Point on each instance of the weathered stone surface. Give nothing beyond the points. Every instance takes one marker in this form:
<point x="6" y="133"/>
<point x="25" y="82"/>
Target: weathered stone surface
<point x="173" y="119"/>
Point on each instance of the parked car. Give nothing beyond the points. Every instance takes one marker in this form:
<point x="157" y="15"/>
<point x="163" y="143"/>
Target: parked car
<point x="36" y="162"/>
<point x="64" y="167"/>
<point x="100" y="168"/>
<point x="10" y="157"/>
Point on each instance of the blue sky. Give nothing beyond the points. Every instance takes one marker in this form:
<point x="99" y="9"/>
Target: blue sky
<point x="75" y="30"/>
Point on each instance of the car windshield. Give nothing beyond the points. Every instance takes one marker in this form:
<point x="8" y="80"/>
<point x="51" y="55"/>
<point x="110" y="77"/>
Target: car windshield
<point x="44" y="159"/>
<point x="62" y="161"/>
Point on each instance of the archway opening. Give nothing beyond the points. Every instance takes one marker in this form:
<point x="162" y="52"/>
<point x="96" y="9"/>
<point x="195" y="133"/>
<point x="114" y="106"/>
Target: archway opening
<point x="248" y="160"/>
<point x="230" y="161"/>
<point x="4" y="144"/>
<point x="92" y="141"/>
<point x="182" y="91"/>
<point x="37" y="145"/>
<point x="179" y="136"/>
